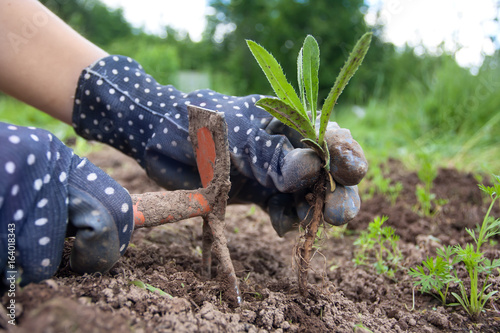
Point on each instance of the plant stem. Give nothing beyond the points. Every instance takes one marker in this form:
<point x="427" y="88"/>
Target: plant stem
<point x="304" y="251"/>
<point x="482" y="231"/>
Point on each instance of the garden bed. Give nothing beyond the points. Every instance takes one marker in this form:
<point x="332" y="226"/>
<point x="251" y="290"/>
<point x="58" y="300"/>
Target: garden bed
<point x="343" y="297"/>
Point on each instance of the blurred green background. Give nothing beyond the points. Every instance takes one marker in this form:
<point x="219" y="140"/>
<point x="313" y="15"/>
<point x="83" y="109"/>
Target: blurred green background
<point x="400" y="104"/>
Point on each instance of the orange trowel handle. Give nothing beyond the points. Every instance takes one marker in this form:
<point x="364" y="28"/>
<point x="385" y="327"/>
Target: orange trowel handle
<point x="156" y="208"/>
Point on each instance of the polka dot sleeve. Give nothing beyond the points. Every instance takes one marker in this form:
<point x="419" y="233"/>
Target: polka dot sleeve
<point x="48" y="193"/>
<point x="119" y="104"/>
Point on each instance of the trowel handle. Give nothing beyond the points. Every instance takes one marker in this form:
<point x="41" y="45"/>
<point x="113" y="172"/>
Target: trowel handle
<point x="156" y="208"/>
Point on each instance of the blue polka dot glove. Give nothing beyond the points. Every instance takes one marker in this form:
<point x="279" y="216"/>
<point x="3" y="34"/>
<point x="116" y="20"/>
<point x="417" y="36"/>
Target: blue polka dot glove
<point x="117" y="103"/>
<point x="46" y="194"/>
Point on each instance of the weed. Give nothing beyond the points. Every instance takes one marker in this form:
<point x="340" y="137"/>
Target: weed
<point x="382" y="242"/>
<point x="251" y="211"/>
<point x="149" y="287"/>
<point x="258" y="295"/>
<point x="361" y="327"/>
<point x="437" y="273"/>
<point x="300" y="113"/>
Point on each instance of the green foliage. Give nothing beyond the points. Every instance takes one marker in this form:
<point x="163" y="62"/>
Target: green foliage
<point x="288" y="107"/>
<point x="281" y="25"/>
<point x="377" y="182"/>
<point x="415" y="100"/>
<point x="15" y="112"/>
<point x="149" y="287"/>
<point x="159" y="58"/>
<point x="381" y="243"/>
<point x="346" y="73"/>
<point x="427" y="202"/>
<point x="431" y="102"/>
<point x="92" y="19"/>
<point x="308" y="74"/>
<point x="442" y="270"/>
<point x="436" y="275"/>
<point x="276" y="78"/>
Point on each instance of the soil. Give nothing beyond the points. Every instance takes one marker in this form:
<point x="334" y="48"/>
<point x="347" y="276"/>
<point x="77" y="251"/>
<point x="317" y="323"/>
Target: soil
<point x="342" y="297"/>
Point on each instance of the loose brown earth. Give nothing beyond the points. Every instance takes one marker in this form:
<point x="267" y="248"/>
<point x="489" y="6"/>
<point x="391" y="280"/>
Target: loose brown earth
<point x="343" y="297"/>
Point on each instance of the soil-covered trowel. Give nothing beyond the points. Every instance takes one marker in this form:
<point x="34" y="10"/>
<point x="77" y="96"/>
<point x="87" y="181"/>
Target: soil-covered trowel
<point x="208" y="134"/>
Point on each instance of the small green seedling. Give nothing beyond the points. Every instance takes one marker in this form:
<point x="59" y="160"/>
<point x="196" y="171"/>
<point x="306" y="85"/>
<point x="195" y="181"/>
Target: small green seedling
<point x="437" y="273"/>
<point x="435" y="276"/>
<point x="149" y="287"/>
<point x="299" y="112"/>
<point x="381" y="242"/>
<point x="426" y="199"/>
<point x="475" y="262"/>
<point x="379" y="183"/>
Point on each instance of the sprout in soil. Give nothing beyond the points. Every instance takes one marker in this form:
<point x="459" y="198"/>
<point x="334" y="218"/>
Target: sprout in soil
<point x="300" y="113"/>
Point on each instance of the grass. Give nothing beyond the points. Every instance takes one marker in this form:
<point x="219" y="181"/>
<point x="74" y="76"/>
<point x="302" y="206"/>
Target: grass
<point x="444" y="110"/>
<point x="381" y="129"/>
<point x="15" y="112"/>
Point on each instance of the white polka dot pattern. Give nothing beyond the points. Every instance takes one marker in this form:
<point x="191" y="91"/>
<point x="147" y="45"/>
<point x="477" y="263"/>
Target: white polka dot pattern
<point x="37" y="176"/>
<point x="149" y="122"/>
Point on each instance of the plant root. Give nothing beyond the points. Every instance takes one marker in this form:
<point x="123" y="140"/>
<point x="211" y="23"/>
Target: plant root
<point x="304" y="250"/>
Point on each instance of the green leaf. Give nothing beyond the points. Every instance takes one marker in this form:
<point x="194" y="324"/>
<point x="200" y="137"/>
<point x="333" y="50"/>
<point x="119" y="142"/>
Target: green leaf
<point x="310" y="72"/>
<point x="327" y="158"/>
<point x="288" y="116"/>
<point x="350" y="67"/>
<point x="275" y="76"/>
<point x="315" y="146"/>
<point x="149" y="287"/>
<point x="300" y="78"/>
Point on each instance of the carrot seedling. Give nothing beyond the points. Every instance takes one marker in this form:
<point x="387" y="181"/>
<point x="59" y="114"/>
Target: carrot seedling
<point x="428" y="204"/>
<point x="379" y="242"/>
<point x="437" y="273"/>
<point x="379" y="183"/>
<point x="299" y="112"/>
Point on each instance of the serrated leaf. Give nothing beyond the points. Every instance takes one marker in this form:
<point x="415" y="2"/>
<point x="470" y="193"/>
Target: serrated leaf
<point x="310" y="59"/>
<point x="350" y="67"/>
<point x="288" y="116"/>
<point x="275" y="76"/>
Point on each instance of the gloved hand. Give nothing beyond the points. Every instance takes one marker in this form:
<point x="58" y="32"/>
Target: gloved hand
<point x="117" y="103"/>
<point x="48" y="193"/>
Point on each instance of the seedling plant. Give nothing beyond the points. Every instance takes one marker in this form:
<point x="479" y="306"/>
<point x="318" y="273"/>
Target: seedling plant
<point x="437" y="273"/>
<point x="378" y="246"/>
<point x="147" y="286"/>
<point x="299" y="111"/>
<point x="426" y="199"/>
<point x="378" y="183"/>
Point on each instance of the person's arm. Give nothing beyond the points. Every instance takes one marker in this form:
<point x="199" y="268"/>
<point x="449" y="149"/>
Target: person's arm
<point x="41" y="57"/>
